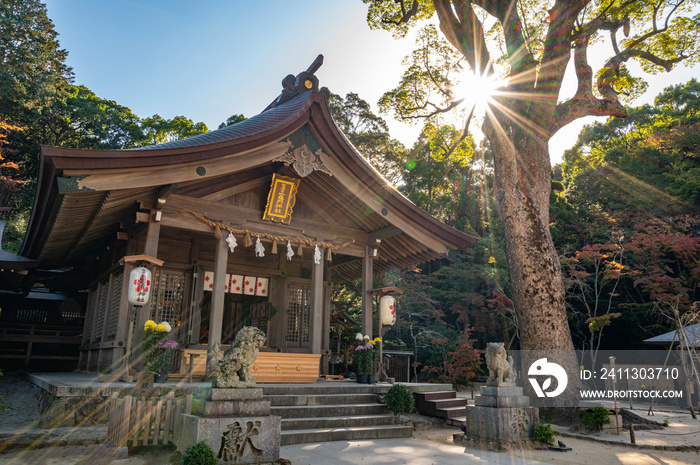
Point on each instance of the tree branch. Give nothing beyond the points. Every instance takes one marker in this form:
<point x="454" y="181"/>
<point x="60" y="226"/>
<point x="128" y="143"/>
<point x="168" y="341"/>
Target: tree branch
<point x="557" y="47"/>
<point x="437" y="110"/>
<point x="405" y="15"/>
<point x="465" y="33"/>
<point x="465" y="133"/>
<point x="522" y="62"/>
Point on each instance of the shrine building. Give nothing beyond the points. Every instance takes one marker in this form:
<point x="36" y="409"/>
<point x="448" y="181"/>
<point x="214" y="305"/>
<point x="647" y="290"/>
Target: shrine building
<point x="246" y="225"/>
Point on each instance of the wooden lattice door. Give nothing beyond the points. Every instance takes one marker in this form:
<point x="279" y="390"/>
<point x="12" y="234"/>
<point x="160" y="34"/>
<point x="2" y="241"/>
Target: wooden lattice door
<point x="298" y="316"/>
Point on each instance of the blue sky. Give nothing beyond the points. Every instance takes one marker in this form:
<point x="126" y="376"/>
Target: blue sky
<point x="209" y="59"/>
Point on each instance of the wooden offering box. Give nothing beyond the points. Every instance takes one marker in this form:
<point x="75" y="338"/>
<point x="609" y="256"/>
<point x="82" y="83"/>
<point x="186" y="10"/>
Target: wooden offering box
<point x="269" y="367"/>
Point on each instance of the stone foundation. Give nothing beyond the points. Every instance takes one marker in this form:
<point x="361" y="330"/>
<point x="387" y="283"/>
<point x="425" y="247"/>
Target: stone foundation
<point x="235" y="423"/>
<point x="501" y="419"/>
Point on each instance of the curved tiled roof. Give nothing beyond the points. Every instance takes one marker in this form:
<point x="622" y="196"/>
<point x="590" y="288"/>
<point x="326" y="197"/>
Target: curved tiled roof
<point x="69" y="219"/>
<point x="248" y="127"/>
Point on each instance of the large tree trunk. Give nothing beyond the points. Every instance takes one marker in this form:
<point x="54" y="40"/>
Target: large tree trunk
<point x="523" y="184"/>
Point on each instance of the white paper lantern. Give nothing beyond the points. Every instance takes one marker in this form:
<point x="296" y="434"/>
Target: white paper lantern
<point x="139" y="285"/>
<point x="387" y="310"/>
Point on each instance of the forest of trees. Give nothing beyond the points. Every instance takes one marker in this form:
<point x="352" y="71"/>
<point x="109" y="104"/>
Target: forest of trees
<point x="623" y="210"/>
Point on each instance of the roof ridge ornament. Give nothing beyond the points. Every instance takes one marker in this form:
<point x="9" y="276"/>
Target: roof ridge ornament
<point x="302" y="82"/>
<point x="304" y="161"/>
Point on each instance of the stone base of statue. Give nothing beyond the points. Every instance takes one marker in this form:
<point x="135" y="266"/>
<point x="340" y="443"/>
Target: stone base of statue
<point x="235" y="423"/>
<point x="501" y="419"/>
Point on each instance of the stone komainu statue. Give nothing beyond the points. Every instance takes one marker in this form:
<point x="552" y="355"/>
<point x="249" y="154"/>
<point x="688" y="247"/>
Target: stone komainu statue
<point x="501" y="369"/>
<point x="231" y="369"/>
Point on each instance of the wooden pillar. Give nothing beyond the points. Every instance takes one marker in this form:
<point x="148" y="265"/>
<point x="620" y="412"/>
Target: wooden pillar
<point x="325" y="346"/>
<point x="367" y="285"/>
<point x="119" y="353"/>
<point x="143" y="314"/>
<point x="185" y="331"/>
<point x="317" y="306"/>
<point x="216" y="316"/>
<point x="196" y="305"/>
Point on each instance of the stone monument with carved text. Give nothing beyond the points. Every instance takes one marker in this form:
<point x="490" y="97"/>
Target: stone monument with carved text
<point x="231" y="416"/>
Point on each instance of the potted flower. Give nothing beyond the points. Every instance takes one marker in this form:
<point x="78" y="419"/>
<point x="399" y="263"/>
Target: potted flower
<point x="366" y="355"/>
<point x="373" y="355"/>
<point x="158" y="349"/>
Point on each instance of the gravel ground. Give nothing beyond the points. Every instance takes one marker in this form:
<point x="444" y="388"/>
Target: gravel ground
<point x="22" y="409"/>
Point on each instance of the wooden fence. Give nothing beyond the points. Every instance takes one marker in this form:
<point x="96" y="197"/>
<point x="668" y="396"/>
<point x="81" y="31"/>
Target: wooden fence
<point x="148" y="421"/>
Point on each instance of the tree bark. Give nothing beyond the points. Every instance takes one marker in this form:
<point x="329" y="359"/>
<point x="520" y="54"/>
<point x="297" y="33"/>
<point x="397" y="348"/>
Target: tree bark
<point x="523" y="184"/>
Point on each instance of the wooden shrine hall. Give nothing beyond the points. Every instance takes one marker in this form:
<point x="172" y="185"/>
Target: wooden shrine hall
<point x="246" y="225"/>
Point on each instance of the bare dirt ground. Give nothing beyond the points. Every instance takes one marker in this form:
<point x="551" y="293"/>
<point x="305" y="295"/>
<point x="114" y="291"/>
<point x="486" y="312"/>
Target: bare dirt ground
<point x="22" y="413"/>
<point x="584" y="452"/>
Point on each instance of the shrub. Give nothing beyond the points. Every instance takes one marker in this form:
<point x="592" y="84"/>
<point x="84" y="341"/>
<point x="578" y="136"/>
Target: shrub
<point x="594" y="419"/>
<point x="199" y="454"/>
<point x="399" y="399"/>
<point x="544" y="433"/>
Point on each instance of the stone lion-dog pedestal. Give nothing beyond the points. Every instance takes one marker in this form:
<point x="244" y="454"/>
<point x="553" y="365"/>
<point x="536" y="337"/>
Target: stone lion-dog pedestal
<point x="231" y="417"/>
<point x="502" y="417"/>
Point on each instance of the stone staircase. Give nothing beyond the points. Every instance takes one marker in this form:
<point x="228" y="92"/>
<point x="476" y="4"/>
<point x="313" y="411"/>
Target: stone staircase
<point x="442" y="404"/>
<point x="332" y="412"/>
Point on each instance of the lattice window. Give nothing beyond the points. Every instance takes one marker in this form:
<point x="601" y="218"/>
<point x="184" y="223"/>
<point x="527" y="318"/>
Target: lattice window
<point x="114" y="301"/>
<point x="298" y="315"/>
<point x="90" y="315"/>
<point x="259" y="315"/>
<point x="103" y="290"/>
<point x="168" y="291"/>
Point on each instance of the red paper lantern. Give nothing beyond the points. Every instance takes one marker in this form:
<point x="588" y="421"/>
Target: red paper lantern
<point x="139" y="285"/>
<point x="387" y="310"/>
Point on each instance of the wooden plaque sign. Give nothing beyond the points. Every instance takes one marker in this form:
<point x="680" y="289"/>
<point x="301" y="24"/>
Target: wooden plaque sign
<point x="280" y="200"/>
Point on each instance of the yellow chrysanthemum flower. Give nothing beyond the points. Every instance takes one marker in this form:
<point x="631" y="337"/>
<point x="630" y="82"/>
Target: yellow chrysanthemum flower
<point x="376" y="340"/>
<point x="149" y="326"/>
<point x="160" y="327"/>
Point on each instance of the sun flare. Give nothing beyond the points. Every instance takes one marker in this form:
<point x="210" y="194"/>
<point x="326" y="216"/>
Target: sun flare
<point x="479" y="90"/>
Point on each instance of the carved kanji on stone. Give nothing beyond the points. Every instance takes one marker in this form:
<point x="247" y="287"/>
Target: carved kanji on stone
<point x="233" y="441"/>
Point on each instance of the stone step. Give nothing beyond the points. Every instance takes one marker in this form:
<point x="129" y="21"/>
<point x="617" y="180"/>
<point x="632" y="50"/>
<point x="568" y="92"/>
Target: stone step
<point x="305" y="411"/>
<point x="455" y="421"/>
<point x="451" y="412"/>
<point x="343" y="387"/>
<point x="303" y="436"/>
<point x="320" y="399"/>
<point x="444" y="403"/>
<point x="435" y="395"/>
<point x="326" y="388"/>
<point x="338" y="422"/>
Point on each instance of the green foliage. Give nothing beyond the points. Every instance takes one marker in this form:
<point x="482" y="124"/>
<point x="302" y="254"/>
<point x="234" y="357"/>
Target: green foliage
<point x="158" y="130"/>
<point x="199" y="454"/>
<point x="546" y="414"/>
<point x="397" y="17"/>
<point x="544" y="433"/>
<point x="14" y="231"/>
<point x="233" y="119"/>
<point x="399" y="399"/>
<point x="430" y="83"/>
<point x="369" y="133"/>
<point x="635" y="180"/>
<point x="649" y="161"/>
<point x="33" y="72"/>
<point x="594" y="419"/>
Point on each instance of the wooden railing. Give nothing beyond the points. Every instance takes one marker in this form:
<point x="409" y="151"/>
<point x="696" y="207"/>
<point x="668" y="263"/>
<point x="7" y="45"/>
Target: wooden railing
<point x="37" y="334"/>
<point x="148" y="421"/>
